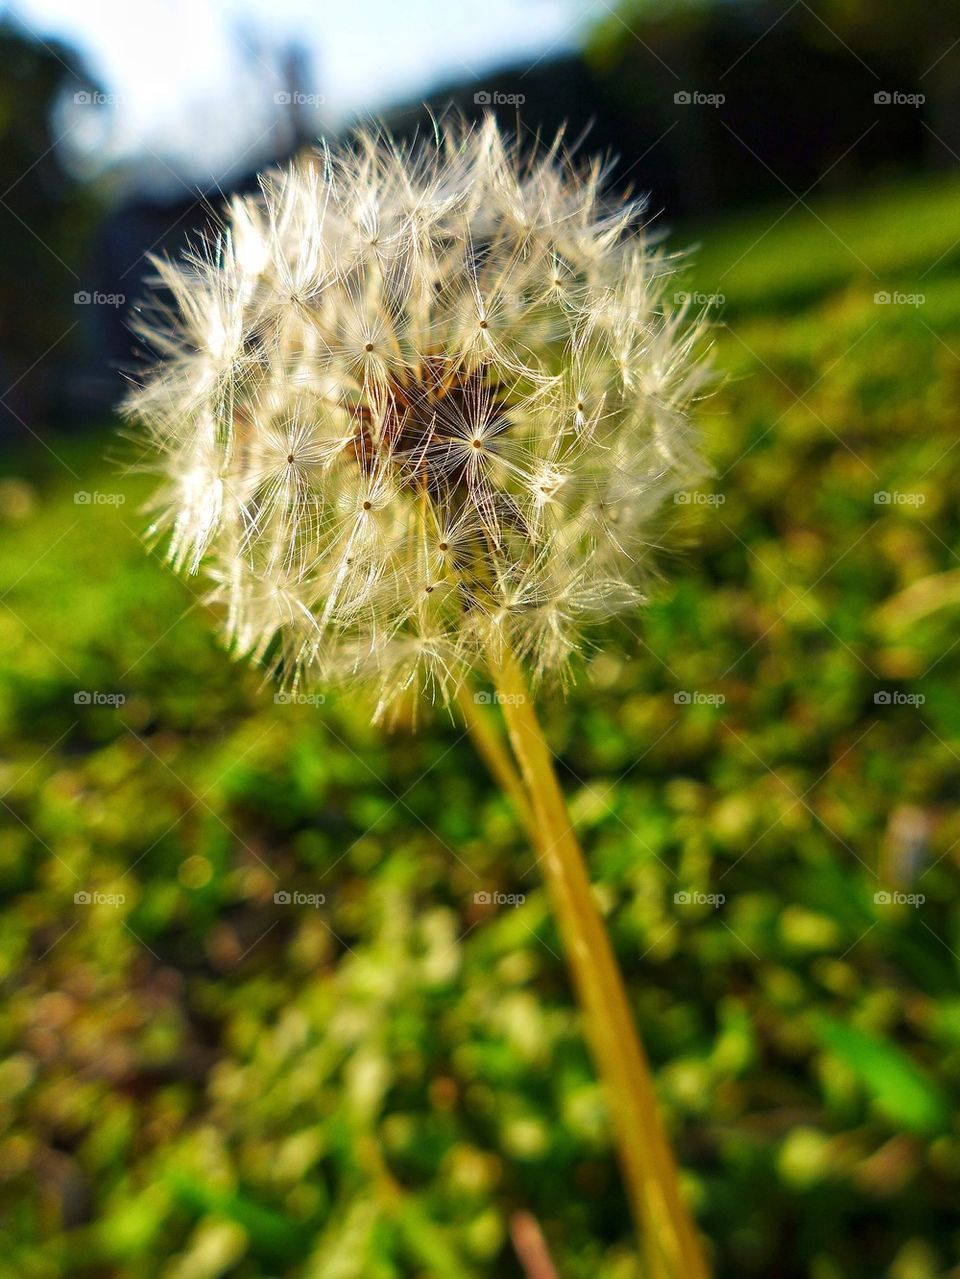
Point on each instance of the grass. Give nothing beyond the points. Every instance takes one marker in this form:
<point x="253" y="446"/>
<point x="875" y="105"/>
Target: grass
<point x="191" y="1076"/>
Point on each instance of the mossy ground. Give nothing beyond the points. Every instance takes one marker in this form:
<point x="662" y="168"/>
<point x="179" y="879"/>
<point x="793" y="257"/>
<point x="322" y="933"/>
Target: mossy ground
<point x="191" y="1075"/>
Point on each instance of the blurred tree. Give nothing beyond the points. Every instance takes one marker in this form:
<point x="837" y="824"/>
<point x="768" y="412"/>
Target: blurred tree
<point x="926" y="40"/>
<point x="798" y="85"/>
<point x="46" y="216"/>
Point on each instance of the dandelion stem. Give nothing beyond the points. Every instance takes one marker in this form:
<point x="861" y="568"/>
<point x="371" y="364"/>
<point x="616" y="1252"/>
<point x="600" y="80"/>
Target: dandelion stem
<point x="650" y="1171"/>
<point x="496" y="755"/>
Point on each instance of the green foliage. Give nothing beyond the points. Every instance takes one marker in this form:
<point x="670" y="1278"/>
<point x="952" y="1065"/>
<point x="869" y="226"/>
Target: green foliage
<point x="888" y="1075"/>
<point x="195" y="1075"/>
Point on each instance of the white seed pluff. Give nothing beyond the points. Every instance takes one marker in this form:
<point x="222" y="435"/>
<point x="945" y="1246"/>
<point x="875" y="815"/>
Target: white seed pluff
<point x="412" y="402"/>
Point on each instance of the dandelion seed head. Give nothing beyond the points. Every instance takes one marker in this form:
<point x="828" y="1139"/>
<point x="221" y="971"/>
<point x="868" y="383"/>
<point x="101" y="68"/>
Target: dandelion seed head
<point x="413" y="404"/>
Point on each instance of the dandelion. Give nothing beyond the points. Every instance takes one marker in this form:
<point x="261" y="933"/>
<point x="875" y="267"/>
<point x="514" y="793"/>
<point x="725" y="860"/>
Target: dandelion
<point x="438" y="394"/>
<point x="416" y="411"/>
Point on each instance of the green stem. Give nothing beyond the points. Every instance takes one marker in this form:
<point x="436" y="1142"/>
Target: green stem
<point x="650" y="1171"/>
<point x="496" y="756"/>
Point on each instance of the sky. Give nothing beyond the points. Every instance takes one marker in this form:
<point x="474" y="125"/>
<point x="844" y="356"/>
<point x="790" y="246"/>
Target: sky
<point x="190" y="84"/>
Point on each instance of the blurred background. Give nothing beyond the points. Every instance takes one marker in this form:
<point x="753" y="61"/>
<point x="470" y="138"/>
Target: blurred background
<point x="281" y="995"/>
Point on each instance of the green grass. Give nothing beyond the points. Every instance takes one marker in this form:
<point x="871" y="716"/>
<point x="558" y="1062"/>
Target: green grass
<point x="189" y="1076"/>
